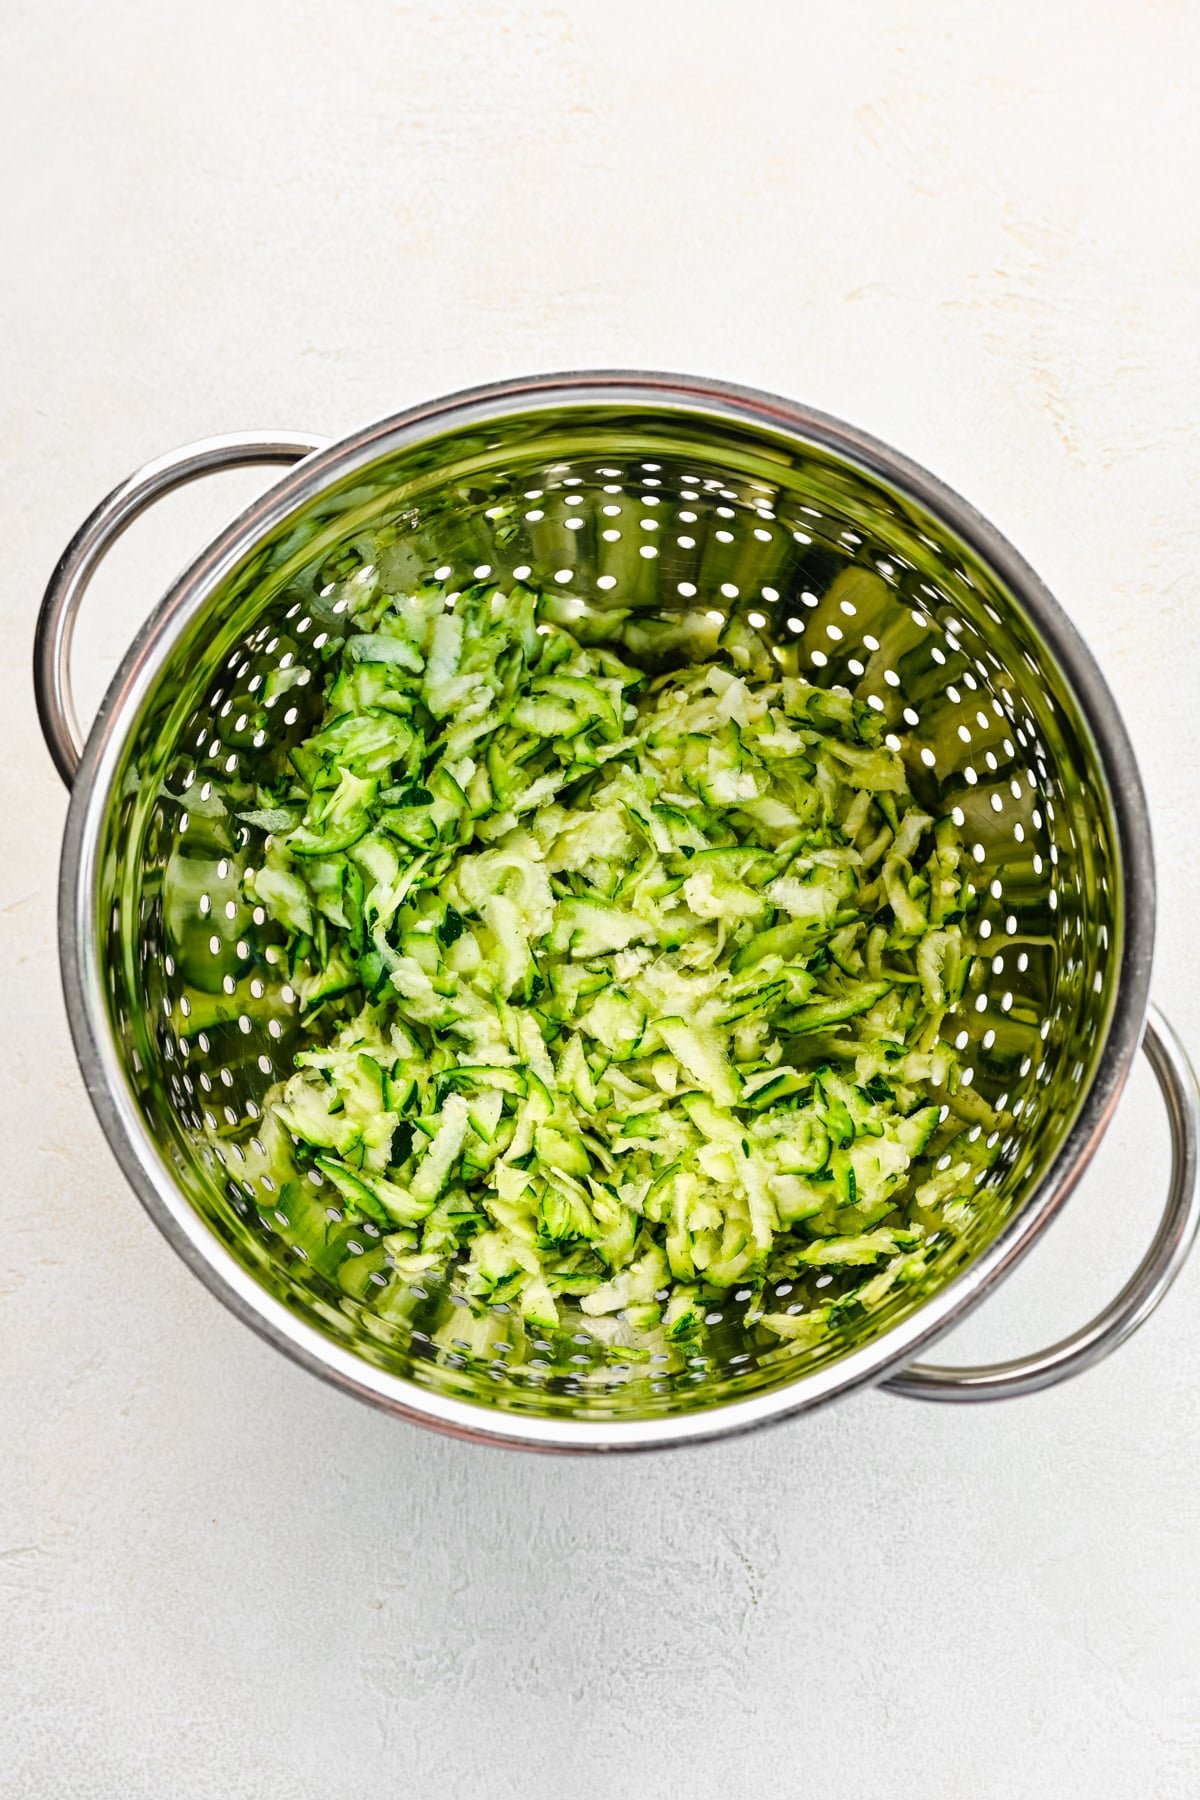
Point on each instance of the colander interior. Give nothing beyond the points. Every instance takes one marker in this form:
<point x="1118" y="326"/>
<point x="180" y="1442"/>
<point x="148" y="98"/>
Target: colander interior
<point x="655" y="510"/>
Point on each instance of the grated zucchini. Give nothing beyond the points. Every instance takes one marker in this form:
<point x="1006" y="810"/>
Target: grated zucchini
<point x="627" y="984"/>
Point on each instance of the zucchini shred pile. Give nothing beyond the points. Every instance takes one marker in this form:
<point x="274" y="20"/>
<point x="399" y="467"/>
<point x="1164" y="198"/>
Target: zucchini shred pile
<point x="622" y="959"/>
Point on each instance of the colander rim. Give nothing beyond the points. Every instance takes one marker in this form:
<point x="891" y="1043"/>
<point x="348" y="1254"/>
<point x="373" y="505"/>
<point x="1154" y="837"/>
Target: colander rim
<point x="498" y="403"/>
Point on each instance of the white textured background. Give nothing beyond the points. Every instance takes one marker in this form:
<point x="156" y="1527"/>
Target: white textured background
<point x="971" y="229"/>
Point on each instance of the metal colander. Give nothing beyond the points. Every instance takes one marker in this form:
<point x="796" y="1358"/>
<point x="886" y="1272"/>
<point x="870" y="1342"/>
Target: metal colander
<point x="649" y="494"/>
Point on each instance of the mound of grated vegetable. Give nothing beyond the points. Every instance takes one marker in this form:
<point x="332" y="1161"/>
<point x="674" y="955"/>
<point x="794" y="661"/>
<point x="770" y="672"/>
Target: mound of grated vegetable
<point x="624" y="958"/>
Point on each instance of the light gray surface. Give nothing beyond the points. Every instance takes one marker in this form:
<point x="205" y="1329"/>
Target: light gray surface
<point x="969" y="232"/>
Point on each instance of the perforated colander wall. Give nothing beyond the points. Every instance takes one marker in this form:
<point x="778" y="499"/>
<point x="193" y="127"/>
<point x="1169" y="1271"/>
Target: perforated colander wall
<point x="852" y="584"/>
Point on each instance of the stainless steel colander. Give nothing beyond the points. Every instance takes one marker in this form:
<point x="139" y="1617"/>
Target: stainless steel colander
<point x="644" y="492"/>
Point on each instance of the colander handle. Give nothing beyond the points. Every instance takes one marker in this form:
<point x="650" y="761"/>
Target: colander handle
<point x="1141" y="1293"/>
<point x="92" y="542"/>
